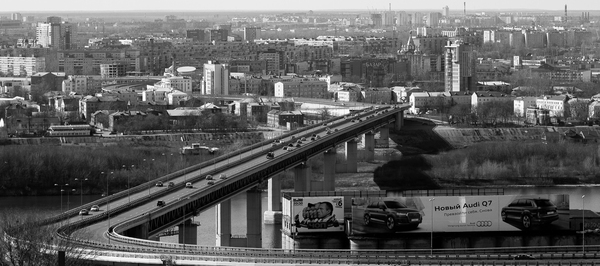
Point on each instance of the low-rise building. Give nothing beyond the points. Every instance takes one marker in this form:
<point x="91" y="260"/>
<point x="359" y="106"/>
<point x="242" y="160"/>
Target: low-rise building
<point x="481" y="97"/>
<point x="90" y="104"/>
<point x="556" y="105"/>
<point x="282" y="118"/>
<point x="423" y="101"/>
<point x="521" y="105"/>
<point x="308" y="89"/>
<point x="377" y="95"/>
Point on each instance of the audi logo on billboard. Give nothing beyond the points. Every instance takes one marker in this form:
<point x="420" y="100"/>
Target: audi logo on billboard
<point x="484" y="223"/>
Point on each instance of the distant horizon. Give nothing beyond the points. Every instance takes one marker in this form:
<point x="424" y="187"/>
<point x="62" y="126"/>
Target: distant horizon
<point x="292" y="10"/>
<point x="237" y="6"/>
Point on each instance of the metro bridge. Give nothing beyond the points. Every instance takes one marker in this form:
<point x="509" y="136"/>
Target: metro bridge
<point x="126" y="230"/>
<point x="131" y="219"/>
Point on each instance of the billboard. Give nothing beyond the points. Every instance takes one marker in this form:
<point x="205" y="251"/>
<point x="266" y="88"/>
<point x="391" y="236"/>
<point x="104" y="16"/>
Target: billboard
<point x="460" y="213"/>
<point x="313" y="214"/>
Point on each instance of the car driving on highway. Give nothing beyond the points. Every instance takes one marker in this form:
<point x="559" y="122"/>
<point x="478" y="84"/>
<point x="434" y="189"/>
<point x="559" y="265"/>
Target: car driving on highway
<point x="394" y="215"/>
<point x="529" y="211"/>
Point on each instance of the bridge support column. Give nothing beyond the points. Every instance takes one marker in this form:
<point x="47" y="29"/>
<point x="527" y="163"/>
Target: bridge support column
<point x="369" y="141"/>
<point x="351" y="166"/>
<point x="301" y="177"/>
<point x="140" y="231"/>
<point x="384" y="137"/>
<point x="253" y="218"/>
<point x="188" y="233"/>
<point x="223" y="224"/>
<point x="399" y="120"/>
<point x="329" y="170"/>
<point x="273" y="213"/>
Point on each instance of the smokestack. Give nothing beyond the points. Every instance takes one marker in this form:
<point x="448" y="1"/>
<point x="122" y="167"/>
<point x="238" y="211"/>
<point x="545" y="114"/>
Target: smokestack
<point x="390" y="6"/>
<point x="565" y="13"/>
<point x="465" y="8"/>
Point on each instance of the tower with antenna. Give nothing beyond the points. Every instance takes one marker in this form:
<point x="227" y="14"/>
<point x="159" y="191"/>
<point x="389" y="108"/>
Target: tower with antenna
<point x="565" y="13"/>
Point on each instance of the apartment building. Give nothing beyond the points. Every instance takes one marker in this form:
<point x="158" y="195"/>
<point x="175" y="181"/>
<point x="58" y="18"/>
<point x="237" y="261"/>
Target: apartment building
<point x="215" y="79"/>
<point x="21" y="66"/>
<point x="459" y="67"/>
<point x="88" y="62"/>
<point x="307" y="89"/>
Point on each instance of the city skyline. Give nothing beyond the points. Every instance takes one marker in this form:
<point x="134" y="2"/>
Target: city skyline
<point x="303" y="6"/>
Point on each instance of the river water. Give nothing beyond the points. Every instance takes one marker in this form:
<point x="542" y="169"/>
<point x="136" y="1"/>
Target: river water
<point x="51" y="205"/>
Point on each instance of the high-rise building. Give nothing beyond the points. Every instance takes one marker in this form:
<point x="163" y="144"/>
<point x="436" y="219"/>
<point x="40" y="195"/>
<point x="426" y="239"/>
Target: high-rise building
<point x="445" y="11"/>
<point x="43" y="34"/>
<point x="433" y="19"/>
<point x="388" y="18"/>
<point x="402" y="19"/>
<point x="215" y="80"/>
<point x="197" y="35"/>
<point x="55" y="20"/>
<point x="251" y="33"/>
<point x="16" y="16"/>
<point x="417" y="19"/>
<point x="376" y="20"/>
<point x="459" y="67"/>
<point x="55" y="34"/>
<point x="219" y="35"/>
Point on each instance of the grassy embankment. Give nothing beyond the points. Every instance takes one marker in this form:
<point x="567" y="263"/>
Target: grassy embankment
<point x="429" y="163"/>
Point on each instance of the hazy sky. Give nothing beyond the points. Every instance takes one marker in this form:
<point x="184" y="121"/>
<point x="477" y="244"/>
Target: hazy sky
<point x="300" y="5"/>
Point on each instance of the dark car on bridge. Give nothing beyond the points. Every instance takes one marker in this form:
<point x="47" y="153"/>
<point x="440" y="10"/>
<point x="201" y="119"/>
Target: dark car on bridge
<point x="160" y="203"/>
<point x="159" y="184"/>
<point x="270" y="155"/>
<point x="529" y="211"/>
<point x="394" y="215"/>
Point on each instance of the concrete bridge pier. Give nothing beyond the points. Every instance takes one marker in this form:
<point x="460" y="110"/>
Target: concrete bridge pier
<point x="302" y="177"/>
<point x="399" y="120"/>
<point x="273" y="214"/>
<point x="351" y="155"/>
<point x="384" y="137"/>
<point x="223" y="224"/>
<point x="329" y="170"/>
<point x="253" y="218"/>
<point x="369" y="141"/>
<point x="188" y="233"/>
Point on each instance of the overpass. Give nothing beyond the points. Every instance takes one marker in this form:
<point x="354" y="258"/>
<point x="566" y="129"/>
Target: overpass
<point x="131" y="219"/>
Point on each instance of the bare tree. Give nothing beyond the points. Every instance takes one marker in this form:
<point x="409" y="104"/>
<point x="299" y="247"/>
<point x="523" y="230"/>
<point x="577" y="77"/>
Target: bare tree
<point x="26" y="242"/>
<point x="325" y="114"/>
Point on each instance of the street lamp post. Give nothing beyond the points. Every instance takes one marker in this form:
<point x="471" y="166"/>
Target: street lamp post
<point x="583" y="221"/>
<point x="68" y="198"/>
<point x="183" y="160"/>
<point x="431" y="200"/>
<point x="108" y="204"/>
<point x="81" y="190"/>
<point x="61" y="192"/>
